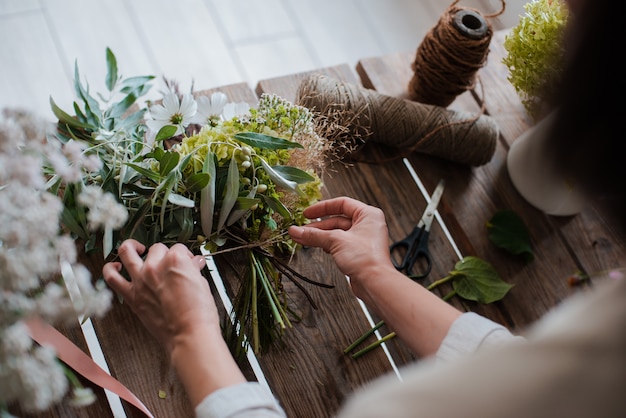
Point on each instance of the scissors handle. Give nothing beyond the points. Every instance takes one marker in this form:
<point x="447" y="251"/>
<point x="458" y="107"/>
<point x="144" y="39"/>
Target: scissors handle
<point x="411" y="248"/>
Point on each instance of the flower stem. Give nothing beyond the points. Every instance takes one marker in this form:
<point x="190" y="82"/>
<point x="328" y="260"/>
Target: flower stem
<point x="363" y="337"/>
<point x="442" y="281"/>
<point x="254" y="308"/>
<point x="373" y="345"/>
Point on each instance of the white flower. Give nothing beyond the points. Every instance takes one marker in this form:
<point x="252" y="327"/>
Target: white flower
<point x="82" y="397"/>
<point x="210" y="109"/>
<point x="104" y="210"/>
<point x="235" y="109"/>
<point x="172" y="112"/>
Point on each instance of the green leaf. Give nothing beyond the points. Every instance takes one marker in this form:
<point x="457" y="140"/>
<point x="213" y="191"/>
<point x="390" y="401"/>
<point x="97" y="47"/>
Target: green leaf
<point x="276" y="205"/>
<point x="477" y="280"/>
<point x="148" y="173"/>
<point x="168" y="162"/>
<point x="140" y="189"/>
<point x="135" y="84"/>
<point x="197" y="182"/>
<point x="184" y="219"/>
<point x="180" y="200"/>
<point x="119" y="108"/>
<point x="263" y="141"/>
<point x="293" y="174"/>
<point x="230" y="194"/>
<point x="507" y="230"/>
<point x="111" y="77"/>
<point x="207" y="195"/>
<point x="278" y="179"/>
<point x="165" y="132"/>
<point x="67" y="119"/>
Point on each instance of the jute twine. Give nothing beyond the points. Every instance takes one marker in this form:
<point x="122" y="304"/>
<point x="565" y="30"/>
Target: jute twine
<point x="410" y="126"/>
<point x="450" y="55"/>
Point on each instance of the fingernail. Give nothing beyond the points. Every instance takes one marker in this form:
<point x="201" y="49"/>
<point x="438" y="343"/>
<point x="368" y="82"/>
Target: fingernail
<point x="296" y="231"/>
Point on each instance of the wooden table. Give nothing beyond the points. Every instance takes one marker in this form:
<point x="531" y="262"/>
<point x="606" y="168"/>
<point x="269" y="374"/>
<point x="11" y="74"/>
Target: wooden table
<point x="309" y="373"/>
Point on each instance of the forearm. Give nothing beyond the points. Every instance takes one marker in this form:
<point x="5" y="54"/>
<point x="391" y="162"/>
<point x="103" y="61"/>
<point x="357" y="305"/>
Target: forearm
<point x="419" y="317"/>
<point x="204" y="364"/>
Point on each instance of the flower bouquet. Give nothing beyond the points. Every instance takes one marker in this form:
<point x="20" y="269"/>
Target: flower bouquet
<point x="220" y="176"/>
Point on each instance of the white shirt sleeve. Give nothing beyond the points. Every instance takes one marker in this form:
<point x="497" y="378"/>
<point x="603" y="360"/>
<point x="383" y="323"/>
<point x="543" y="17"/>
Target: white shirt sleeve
<point x="248" y="399"/>
<point x="471" y="332"/>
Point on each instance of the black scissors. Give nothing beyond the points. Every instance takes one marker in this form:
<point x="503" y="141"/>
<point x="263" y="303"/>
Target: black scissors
<point x="415" y="245"/>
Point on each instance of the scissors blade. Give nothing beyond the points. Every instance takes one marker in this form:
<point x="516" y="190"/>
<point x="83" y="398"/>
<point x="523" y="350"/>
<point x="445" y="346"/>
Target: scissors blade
<point x="429" y="212"/>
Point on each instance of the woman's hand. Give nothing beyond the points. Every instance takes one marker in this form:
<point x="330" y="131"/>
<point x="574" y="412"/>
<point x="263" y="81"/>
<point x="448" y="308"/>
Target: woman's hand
<point x="354" y="233"/>
<point x="166" y="291"/>
<point x="174" y="302"/>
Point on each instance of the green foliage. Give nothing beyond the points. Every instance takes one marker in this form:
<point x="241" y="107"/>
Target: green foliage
<point x="535" y="52"/>
<point x="507" y="230"/>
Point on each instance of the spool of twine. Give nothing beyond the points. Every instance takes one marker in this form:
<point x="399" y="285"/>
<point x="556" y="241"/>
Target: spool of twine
<point x="451" y="53"/>
<point x="409" y="126"/>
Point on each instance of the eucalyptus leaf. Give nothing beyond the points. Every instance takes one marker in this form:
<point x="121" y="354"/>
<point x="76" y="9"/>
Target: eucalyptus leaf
<point x="477" y="280"/>
<point x="92" y="108"/>
<point x="180" y="200"/>
<point x="111" y="77"/>
<point x="293" y="174"/>
<point x="507" y="230"/>
<point x="165" y="132"/>
<point x="230" y="194"/>
<point x="263" y="141"/>
<point x="277" y="178"/>
<point x="242" y="206"/>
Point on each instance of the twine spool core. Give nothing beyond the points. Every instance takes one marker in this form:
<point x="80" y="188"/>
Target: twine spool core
<point x="470" y="24"/>
<point x="450" y="55"/>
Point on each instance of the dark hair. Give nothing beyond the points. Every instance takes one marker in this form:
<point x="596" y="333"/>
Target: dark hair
<point x="587" y="132"/>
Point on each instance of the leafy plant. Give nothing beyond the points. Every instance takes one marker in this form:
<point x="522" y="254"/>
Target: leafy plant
<point x="535" y="52"/>
<point x="507" y="230"/>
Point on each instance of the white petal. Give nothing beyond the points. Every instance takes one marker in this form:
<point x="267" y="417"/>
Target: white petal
<point x="235" y="109"/>
<point x="188" y="106"/>
<point x="171" y="103"/>
<point x="218" y="100"/>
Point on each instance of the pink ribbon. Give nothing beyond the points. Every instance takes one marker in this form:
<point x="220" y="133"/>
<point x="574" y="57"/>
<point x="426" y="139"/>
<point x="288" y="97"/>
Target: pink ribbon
<point x="70" y="354"/>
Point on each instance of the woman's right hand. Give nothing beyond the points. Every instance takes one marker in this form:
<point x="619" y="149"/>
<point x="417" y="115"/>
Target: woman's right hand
<point x="354" y="233"/>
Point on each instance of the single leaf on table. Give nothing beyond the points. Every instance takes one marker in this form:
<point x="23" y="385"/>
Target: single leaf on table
<point x="507" y="230"/>
<point x="477" y="280"/>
